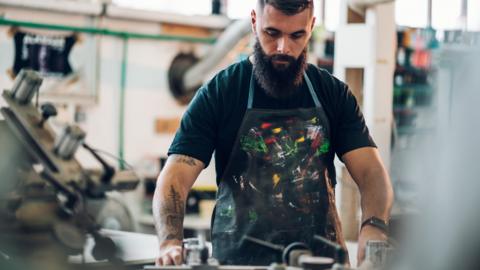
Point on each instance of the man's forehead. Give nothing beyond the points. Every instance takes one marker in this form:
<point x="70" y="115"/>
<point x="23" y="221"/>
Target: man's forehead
<point x="272" y="17"/>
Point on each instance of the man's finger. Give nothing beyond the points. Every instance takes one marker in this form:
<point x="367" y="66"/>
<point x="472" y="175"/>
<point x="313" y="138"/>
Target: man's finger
<point x="176" y="256"/>
<point x="167" y="260"/>
<point x="158" y="261"/>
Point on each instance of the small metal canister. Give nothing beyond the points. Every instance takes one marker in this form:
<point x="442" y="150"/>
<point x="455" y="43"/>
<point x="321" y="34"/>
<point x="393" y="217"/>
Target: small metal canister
<point x="26" y="85"/>
<point x="195" y="251"/>
<point x="68" y="142"/>
<point x="376" y="252"/>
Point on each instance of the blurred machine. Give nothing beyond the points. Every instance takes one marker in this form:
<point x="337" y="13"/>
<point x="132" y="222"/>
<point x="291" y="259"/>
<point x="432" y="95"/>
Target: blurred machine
<point x="49" y="204"/>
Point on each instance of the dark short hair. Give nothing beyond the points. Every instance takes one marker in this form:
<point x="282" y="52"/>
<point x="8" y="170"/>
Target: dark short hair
<point x="289" y="7"/>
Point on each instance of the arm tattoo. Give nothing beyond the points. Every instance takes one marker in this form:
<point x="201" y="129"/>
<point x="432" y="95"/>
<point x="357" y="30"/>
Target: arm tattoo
<point x="172" y="213"/>
<point x="184" y="159"/>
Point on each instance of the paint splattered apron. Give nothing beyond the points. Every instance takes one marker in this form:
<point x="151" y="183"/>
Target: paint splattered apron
<point x="276" y="186"/>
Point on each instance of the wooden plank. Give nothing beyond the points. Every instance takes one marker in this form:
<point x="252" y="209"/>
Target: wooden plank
<point x="354" y="79"/>
<point x="167" y="125"/>
<point x="185" y="30"/>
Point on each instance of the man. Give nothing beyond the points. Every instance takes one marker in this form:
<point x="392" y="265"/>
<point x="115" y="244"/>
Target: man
<point x="275" y="124"/>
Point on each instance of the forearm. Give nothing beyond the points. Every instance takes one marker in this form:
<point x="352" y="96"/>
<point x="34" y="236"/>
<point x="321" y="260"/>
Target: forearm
<point x="173" y="185"/>
<point x="169" y="210"/>
<point x="376" y="194"/>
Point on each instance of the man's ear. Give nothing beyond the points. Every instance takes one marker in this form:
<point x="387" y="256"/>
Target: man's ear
<point x="253" y="16"/>
<point x="313" y="23"/>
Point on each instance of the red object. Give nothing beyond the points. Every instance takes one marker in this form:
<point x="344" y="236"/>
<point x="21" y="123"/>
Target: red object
<point x="270" y="140"/>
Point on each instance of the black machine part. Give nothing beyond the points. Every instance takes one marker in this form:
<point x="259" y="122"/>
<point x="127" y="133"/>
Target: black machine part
<point x="295" y="254"/>
<point x="48" y="110"/>
<point x="340" y="252"/>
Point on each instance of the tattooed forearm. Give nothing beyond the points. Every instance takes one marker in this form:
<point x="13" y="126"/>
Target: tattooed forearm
<point x="184" y="159"/>
<point x="172" y="211"/>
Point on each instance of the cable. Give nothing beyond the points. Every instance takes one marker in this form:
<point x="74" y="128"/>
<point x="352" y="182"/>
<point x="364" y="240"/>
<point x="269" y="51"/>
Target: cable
<point x="129" y="166"/>
<point x="103" y="152"/>
<point x="37" y="97"/>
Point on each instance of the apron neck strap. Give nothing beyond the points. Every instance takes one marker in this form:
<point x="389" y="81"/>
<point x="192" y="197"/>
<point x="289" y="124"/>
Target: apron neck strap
<point x="307" y="80"/>
<point x="312" y="91"/>
<point x="250" y="91"/>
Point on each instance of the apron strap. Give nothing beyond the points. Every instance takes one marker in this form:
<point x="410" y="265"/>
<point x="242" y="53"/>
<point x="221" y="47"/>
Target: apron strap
<point x="250" y="91"/>
<point x="312" y="91"/>
<point x="307" y="80"/>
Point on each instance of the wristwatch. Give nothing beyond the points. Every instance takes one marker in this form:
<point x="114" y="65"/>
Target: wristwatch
<point x="377" y="223"/>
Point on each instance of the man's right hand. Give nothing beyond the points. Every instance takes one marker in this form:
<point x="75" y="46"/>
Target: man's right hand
<point x="170" y="255"/>
<point x="173" y="184"/>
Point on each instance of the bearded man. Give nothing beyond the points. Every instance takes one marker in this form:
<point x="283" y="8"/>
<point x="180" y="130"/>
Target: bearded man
<point x="275" y="124"/>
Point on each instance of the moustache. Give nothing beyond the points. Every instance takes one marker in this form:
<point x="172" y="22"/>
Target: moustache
<point x="283" y="58"/>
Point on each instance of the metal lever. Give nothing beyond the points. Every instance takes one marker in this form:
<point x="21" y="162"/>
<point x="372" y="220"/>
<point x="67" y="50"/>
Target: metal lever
<point x="108" y="171"/>
<point x="264" y="243"/>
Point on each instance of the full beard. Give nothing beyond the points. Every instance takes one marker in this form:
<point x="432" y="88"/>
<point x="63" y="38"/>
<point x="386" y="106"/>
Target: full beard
<point x="280" y="81"/>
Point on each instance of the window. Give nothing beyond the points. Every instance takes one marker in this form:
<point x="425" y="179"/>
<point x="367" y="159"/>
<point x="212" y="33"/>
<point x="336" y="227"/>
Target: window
<point x="184" y="7"/>
<point x="446" y="14"/>
<point x="412" y="13"/>
<point x="240" y="8"/>
<point x="473" y="21"/>
<point x="332" y="14"/>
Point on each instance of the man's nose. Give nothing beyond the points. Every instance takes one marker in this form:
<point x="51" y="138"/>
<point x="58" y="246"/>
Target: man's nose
<point x="282" y="45"/>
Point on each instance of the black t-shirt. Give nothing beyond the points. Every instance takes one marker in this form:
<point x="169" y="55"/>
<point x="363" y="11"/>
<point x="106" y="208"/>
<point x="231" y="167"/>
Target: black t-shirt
<point x="215" y="114"/>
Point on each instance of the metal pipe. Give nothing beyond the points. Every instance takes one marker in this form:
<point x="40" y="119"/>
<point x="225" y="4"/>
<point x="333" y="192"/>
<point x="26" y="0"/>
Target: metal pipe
<point x="72" y="7"/>
<point x="104" y="31"/>
<point x="121" y="119"/>
<point x="429" y="13"/>
<point x="225" y="42"/>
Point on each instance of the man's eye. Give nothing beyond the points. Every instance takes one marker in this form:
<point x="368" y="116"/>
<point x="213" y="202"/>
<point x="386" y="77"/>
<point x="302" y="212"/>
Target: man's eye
<point x="271" y="33"/>
<point x="297" y="35"/>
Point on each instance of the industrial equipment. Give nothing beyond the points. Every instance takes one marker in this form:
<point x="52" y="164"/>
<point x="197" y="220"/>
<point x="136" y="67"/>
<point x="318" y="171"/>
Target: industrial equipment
<point x="44" y="191"/>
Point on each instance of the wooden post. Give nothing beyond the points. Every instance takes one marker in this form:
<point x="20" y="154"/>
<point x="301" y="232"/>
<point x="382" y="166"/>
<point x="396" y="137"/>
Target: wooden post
<point x="365" y="60"/>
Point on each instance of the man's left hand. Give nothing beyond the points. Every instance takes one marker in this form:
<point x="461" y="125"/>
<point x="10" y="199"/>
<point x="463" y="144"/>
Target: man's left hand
<point x="368" y="233"/>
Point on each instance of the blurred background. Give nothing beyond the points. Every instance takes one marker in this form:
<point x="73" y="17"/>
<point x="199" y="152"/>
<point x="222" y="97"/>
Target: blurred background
<point x="124" y="71"/>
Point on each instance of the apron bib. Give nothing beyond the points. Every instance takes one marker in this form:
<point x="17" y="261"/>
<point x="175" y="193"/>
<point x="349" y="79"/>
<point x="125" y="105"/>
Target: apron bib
<point x="276" y="185"/>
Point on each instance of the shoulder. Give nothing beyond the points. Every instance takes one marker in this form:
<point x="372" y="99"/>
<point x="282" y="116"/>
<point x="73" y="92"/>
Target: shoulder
<point x="226" y="86"/>
<point x="332" y="92"/>
<point x="229" y="76"/>
<point x="323" y="79"/>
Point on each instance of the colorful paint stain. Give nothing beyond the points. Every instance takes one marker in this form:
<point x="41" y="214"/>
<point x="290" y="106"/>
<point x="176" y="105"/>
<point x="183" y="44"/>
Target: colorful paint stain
<point x="323" y="149"/>
<point x="270" y="140"/>
<point x="276" y="179"/>
<point x="266" y="126"/>
<point x="314" y="120"/>
<point x="254" y="144"/>
<point x="291" y="148"/>
<point x="277" y="130"/>
<point x="228" y="212"/>
<point x="252" y="216"/>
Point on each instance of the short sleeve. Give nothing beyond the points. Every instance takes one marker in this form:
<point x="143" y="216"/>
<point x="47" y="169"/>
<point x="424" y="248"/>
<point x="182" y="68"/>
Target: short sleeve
<point x="197" y="134"/>
<point x="351" y="130"/>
